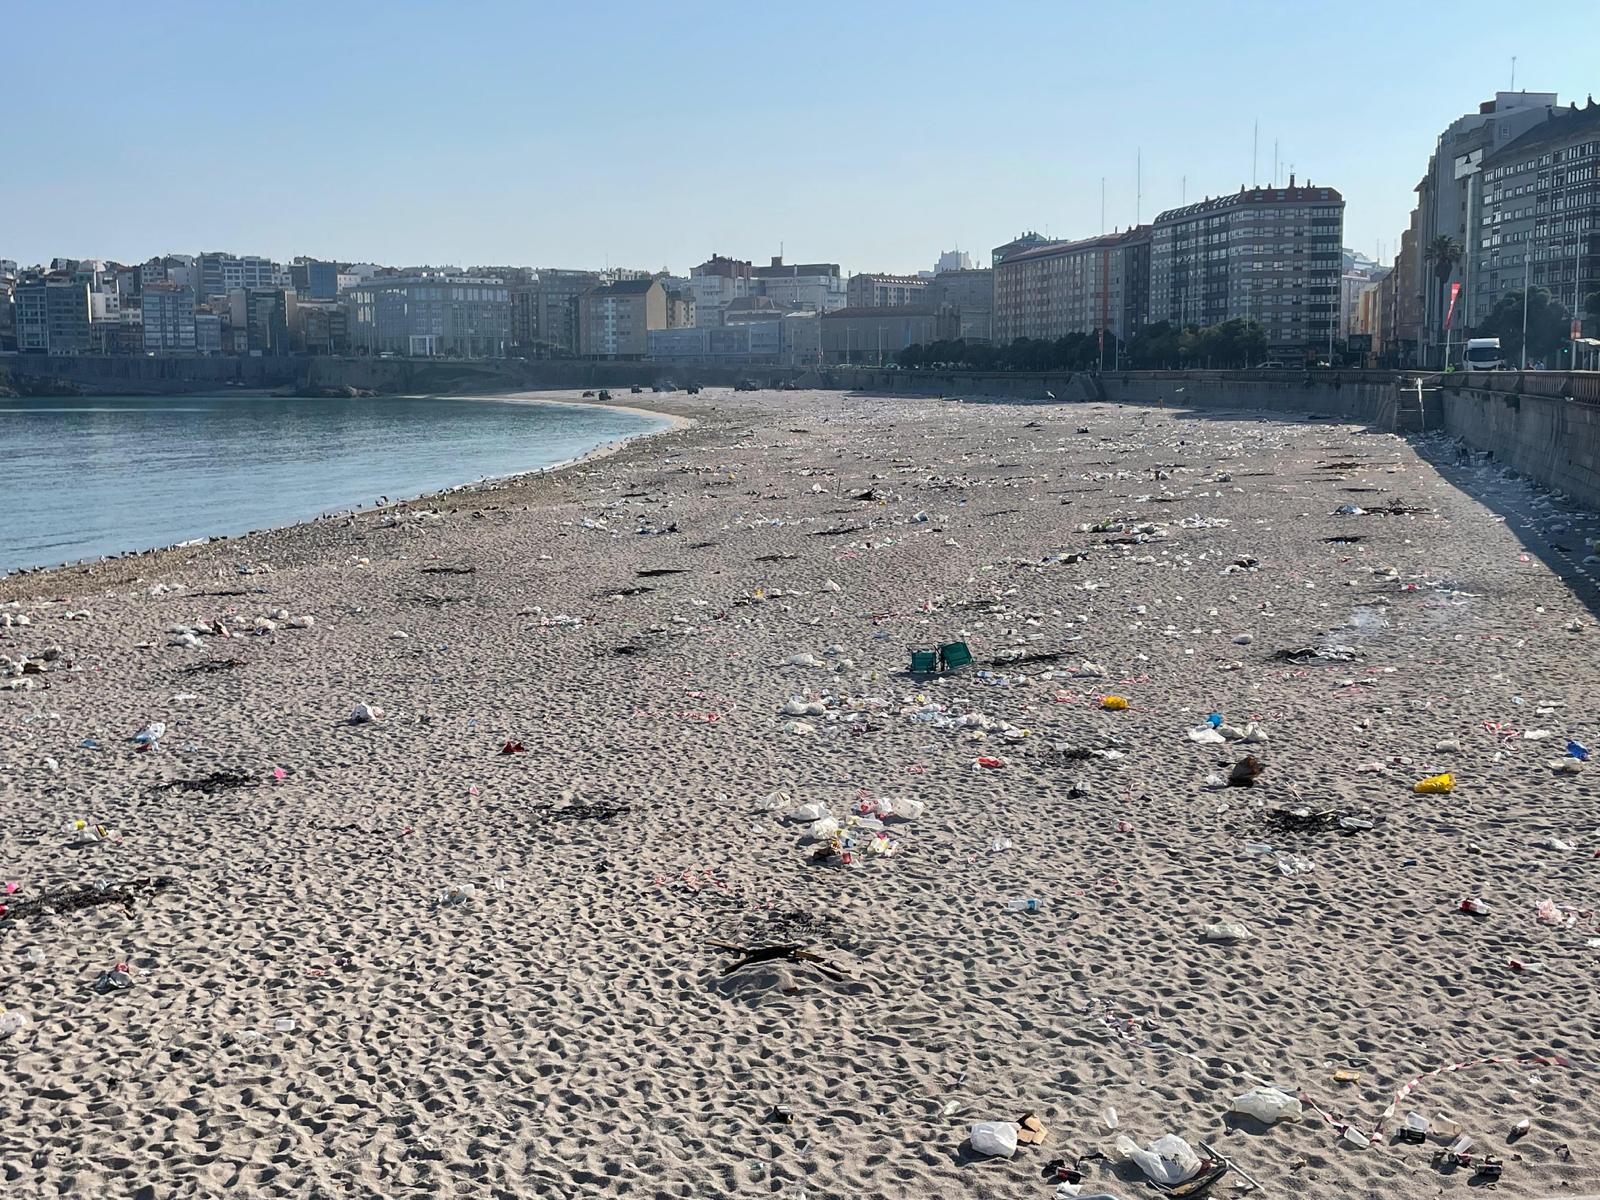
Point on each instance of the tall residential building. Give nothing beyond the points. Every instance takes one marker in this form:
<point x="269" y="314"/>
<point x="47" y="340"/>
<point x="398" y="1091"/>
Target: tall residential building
<point x="1351" y="284"/>
<point x="1538" y="213"/>
<point x="313" y="279"/>
<point x="953" y="260"/>
<point x="870" y="290"/>
<point x="323" y="327"/>
<point x="815" y="287"/>
<point x="271" y="317"/>
<point x="556" y="308"/>
<point x="1050" y="289"/>
<point x="221" y="273"/>
<point x="717" y="283"/>
<point x="168" y="319"/>
<point x="1448" y="196"/>
<point x="1265" y="254"/>
<point x="525" y="316"/>
<point x="680" y="305"/>
<point x="458" y="316"/>
<point x="207" y="332"/>
<point x="52" y="317"/>
<point x="1026" y="241"/>
<point x="615" y="319"/>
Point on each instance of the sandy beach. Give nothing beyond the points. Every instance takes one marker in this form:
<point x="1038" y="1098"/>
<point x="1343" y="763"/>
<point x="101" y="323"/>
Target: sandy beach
<point x="405" y="958"/>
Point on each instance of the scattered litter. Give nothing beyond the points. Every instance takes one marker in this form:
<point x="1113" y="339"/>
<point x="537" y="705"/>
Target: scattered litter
<point x="997" y="1139"/>
<point x="1268" y="1104"/>
<point x="1227" y="931"/>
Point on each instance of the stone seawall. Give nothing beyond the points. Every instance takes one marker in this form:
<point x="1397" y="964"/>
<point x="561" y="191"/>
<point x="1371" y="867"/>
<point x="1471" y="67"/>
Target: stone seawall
<point x="111" y="375"/>
<point x="1374" y="398"/>
<point x="1551" y="439"/>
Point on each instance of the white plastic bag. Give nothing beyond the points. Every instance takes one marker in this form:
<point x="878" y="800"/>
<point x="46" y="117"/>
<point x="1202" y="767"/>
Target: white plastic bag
<point x="906" y="809"/>
<point x="809" y="812"/>
<point x="1227" y="931"/>
<point x="995" y="1138"/>
<point x="823" y="827"/>
<point x="1268" y="1104"/>
<point x="1169" y="1159"/>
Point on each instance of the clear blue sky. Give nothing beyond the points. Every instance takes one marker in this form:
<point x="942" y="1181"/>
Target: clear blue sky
<point x="873" y="133"/>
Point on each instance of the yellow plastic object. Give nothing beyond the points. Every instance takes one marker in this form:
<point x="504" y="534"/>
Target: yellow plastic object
<point x="1346" y="1076"/>
<point x="1113" y="703"/>
<point x="1434" y="785"/>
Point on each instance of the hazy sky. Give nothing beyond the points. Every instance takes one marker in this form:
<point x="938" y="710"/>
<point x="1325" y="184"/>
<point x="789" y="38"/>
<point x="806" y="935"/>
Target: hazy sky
<point x="872" y="133"/>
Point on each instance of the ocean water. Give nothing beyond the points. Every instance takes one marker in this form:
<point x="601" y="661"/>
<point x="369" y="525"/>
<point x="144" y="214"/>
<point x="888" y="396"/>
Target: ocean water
<point x="96" y="475"/>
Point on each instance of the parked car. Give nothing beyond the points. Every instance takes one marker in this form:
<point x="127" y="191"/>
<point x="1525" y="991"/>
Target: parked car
<point x="1272" y="364"/>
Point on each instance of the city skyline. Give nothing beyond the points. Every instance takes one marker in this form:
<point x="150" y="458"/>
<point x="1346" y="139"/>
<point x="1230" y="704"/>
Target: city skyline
<point x="562" y="143"/>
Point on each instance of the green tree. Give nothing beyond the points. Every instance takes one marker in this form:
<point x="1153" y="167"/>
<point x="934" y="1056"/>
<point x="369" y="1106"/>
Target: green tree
<point x="1549" y="323"/>
<point x="1154" y="346"/>
<point x="1442" y="254"/>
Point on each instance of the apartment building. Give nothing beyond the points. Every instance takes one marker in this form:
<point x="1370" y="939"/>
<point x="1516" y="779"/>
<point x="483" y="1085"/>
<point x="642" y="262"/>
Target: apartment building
<point x="1538" y="213"/>
<point x="615" y="319"/>
<point x="717" y="283"/>
<point x="869" y="290"/>
<point x="459" y="316"/>
<point x="1269" y="255"/>
<point x="556" y="308"/>
<point x="1448" y="196"/>
<point x="168" y="319"/>
<point x="221" y="273"/>
<point x="813" y="287"/>
<point x="52" y="317"/>
<point x="1049" y="289"/>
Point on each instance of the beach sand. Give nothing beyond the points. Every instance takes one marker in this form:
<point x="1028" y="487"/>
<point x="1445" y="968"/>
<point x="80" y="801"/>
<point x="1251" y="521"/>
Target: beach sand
<point x="488" y="989"/>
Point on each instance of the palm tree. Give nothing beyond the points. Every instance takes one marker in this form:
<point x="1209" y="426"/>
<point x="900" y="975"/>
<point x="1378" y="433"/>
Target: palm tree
<point x="1442" y="255"/>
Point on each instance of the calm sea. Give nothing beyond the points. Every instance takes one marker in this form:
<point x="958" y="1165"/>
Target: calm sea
<point x="99" y="475"/>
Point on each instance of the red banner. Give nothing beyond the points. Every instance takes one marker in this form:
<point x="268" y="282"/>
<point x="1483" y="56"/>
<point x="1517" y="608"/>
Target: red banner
<point x="1455" y="290"/>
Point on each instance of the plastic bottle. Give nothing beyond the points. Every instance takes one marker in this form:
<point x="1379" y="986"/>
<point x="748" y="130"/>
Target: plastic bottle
<point x="1030" y="905"/>
<point x="1476" y="907"/>
<point x="1444" y="1125"/>
<point x="1109" y="1117"/>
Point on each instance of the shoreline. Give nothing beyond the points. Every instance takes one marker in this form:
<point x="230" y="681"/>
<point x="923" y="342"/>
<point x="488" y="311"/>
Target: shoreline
<point x="675" y="423"/>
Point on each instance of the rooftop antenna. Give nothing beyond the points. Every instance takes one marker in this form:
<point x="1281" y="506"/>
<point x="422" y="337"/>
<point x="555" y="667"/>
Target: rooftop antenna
<point x="1513" y="72"/>
<point x="1183" y="191"/>
<point x="1138" y="184"/>
<point x="1275" y="162"/>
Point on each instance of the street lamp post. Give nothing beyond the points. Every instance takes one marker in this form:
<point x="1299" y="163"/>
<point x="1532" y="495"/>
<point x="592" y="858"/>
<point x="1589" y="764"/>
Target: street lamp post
<point x="1525" y="261"/>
